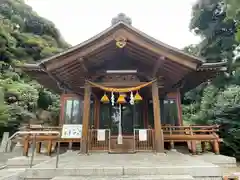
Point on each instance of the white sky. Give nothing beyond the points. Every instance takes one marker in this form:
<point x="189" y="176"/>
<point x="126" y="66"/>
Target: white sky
<point x="79" y="20"/>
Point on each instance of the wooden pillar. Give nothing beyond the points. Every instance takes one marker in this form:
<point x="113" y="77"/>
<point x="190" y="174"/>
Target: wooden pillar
<point x="38" y="147"/>
<point x="179" y="106"/>
<point x="145" y="122"/>
<point x="159" y="142"/>
<point x="86" y="115"/>
<point x="96" y="113"/>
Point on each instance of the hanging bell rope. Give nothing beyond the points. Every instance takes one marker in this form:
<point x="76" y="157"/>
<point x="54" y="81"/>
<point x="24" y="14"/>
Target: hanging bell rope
<point x="121" y="90"/>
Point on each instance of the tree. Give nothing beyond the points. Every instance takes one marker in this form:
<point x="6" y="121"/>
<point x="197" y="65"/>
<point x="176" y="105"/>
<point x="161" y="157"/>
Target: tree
<point x="217" y="102"/>
<point x="24" y="37"/>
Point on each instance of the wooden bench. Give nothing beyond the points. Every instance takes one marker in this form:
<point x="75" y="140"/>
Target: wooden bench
<point x="192" y="134"/>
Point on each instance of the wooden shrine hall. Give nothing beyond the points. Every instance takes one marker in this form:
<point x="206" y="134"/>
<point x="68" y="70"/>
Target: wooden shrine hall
<point x="127" y="86"/>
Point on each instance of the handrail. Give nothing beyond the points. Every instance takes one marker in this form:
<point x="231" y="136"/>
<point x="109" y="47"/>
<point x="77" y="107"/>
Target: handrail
<point x="190" y="126"/>
<point x="34" y="147"/>
<point x="29" y="133"/>
<point x="35" y="133"/>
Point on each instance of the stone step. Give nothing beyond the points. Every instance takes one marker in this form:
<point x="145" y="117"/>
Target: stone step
<point x="11" y="174"/>
<point x="48" y="173"/>
<point x="149" y="177"/>
<point x="23" y="161"/>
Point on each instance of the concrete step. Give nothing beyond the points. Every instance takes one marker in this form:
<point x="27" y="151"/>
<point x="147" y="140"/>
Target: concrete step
<point x="48" y="173"/>
<point x="149" y="177"/>
<point x="11" y="174"/>
<point x="23" y="161"/>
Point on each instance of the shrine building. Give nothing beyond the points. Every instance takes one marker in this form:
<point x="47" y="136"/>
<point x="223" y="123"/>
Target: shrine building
<point x="127" y="84"/>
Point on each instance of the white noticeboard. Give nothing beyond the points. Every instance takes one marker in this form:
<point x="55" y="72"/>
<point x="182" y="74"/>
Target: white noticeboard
<point x="71" y="131"/>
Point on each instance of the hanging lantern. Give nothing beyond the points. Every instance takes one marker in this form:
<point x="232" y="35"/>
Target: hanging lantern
<point x="137" y="97"/>
<point x="121" y="99"/>
<point x="105" y="99"/>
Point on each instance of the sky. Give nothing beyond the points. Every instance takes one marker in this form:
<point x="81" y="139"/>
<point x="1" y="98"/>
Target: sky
<point x="79" y="20"/>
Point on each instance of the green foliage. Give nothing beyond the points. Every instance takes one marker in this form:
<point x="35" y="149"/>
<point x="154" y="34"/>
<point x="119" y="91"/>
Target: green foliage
<point x="218" y="33"/>
<point x="217" y="22"/>
<point x="24" y="37"/>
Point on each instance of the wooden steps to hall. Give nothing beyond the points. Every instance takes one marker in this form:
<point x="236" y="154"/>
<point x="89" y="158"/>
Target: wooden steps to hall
<point x="126" y="147"/>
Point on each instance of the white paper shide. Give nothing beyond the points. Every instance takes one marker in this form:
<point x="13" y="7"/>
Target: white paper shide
<point x="142" y="135"/>
<point x="101" y="134"/>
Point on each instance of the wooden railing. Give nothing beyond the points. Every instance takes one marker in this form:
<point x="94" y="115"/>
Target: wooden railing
<point x="96" y="144"/>
<point x="146" y="144"/>
<point x="191" y="135"/>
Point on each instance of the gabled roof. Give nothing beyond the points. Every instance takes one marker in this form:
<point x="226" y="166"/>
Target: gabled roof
<point x="121" y="24"/>
<point x="149" y="56"/>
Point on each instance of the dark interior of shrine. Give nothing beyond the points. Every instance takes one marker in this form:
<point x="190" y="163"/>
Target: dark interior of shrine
<point x="136" y="116"/>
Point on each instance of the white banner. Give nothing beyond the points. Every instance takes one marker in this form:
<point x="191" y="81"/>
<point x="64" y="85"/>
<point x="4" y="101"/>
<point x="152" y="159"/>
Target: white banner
<point x="142" y="135"/>
<point x="101" y="134"/>
<point x="72" y="131"/>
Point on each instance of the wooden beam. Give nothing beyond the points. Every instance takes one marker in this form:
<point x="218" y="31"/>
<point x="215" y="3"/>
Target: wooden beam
<point x="81" y="61"/>
<point x="82" y="52"/>
<point x="86" y="116"/>
<point x="160" y="51"/>
<point x="159" y="142"/>
<point x="160" y="61"/>
<point x="67" y="71"/>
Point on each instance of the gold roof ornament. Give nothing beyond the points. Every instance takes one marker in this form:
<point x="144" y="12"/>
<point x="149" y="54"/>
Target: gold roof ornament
<point x="121" y="42"/>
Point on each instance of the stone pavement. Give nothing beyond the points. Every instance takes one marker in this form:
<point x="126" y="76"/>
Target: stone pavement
<point x="5" y="156"/>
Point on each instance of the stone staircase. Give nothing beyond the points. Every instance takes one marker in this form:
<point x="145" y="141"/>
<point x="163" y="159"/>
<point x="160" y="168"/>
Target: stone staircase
<point x="142" y="166"/>
<point x="149" y="177"/>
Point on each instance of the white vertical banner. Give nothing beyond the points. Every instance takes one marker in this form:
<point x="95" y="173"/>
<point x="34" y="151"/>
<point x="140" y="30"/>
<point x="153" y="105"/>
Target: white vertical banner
<point x="101" y="134"/>
<point x="142" y="135"/>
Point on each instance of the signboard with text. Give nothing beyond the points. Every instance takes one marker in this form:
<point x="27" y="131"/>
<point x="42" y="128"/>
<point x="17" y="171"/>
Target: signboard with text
<point x="72" y="131"/>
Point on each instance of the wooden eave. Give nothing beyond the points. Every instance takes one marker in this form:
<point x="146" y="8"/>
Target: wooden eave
<point x="42" y="77"/>
<point x="218" y="66"/>
<point x="133" y="36"/>
<point x="204" y="73"/>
